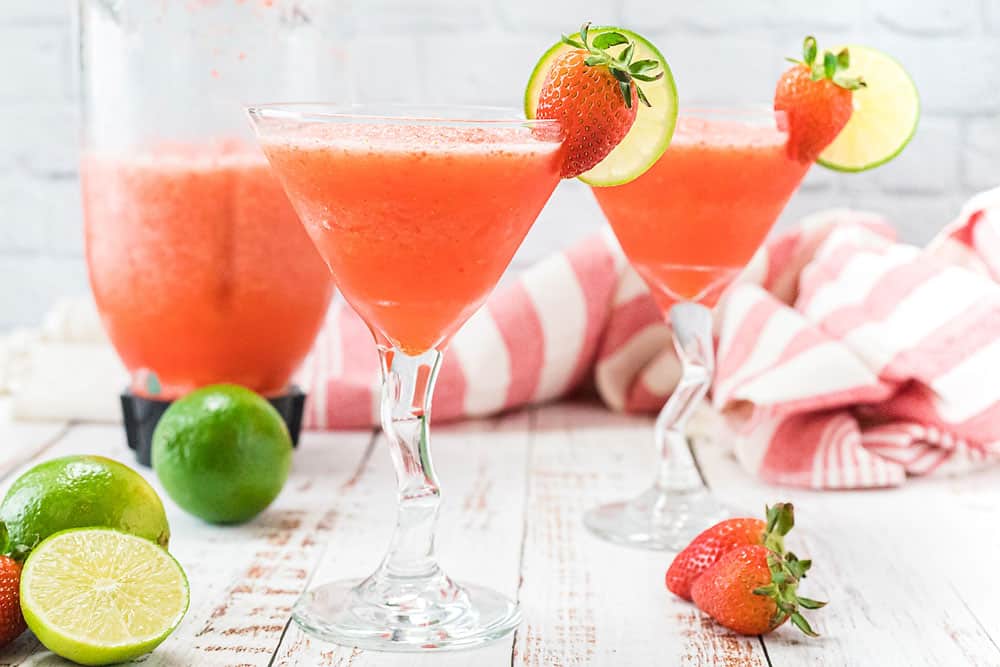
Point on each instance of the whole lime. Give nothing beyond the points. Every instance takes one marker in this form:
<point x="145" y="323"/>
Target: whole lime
<point x="222" y="453"/>
<point x="81" y="491"/>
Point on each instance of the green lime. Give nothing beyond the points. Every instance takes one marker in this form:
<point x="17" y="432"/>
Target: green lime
<point x="654" y="125"/>
<point x="98" y="596"/>
<point x="222" y="453"/>
<point x="78" y="492"/>
<point x="886" y="112"/>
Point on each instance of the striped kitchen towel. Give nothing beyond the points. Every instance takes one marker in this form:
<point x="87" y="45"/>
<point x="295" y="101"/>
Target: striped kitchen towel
<point x="883" y="363"/>
<point x="845" y="359"/>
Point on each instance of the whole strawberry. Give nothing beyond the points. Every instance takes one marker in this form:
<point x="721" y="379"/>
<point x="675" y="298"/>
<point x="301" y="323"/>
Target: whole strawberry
<point x="712" y="543"/>
<point x="752" y="590"/>
<point x="594" y="96"/>
<point x="817" y="100"/>
<point x="11" y="621"/>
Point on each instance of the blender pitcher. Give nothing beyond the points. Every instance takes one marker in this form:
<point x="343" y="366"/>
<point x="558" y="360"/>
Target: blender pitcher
<point x="199" y="267"/>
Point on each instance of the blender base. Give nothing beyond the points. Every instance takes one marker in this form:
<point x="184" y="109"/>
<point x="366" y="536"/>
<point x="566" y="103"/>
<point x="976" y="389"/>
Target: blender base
<point x="140" y="416"/>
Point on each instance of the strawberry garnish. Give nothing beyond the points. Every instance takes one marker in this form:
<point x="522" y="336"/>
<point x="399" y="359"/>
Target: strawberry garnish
<point x="713" y="543"/>
<point x="752" y="590"/>
<point x="815" y="94"/>
<point x="11" y="620"/>
<point x="594" y="95"/>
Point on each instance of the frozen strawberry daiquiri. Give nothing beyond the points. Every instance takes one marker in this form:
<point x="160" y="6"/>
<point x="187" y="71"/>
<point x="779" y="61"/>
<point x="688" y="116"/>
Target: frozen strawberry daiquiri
<point x="689" y="225"/>
<point x="418" y="222"/>
<point x="694" y="220"/>
<point x="199" y="267"/>
<point x="417" y="212"/>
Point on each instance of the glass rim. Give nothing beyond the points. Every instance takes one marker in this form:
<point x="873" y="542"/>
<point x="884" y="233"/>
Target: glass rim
<point x="396" y="114"/>
<point x="755" y="114"/>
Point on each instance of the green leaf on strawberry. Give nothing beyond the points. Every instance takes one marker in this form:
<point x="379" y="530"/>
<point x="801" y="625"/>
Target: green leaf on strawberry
<point x="786" y="572"/>
<point x="809" y="49"/>
<point x="830" y="67"/>
<point x="608" y="39"/>
<point x="620" y="66"/>
<point x="612" y="92"/>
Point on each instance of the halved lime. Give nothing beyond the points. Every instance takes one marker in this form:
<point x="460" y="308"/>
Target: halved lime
<point x="98" y="596"/>
<point x="81" y="491"/>
<point x="885" y="114"/>
<point x="654" y="125"/>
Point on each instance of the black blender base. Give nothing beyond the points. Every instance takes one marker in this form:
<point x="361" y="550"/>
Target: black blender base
<point x="140" y="416"/>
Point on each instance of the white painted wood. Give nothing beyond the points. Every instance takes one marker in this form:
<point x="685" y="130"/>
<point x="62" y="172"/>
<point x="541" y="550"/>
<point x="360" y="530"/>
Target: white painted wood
<point x="21" y="440"/>
<point x="587" y="602"/>
<point x="481" y="466"/>
<point x="909" y="572"/>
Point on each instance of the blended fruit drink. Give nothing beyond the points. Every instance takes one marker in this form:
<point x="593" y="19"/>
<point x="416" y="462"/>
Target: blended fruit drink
<point x="417" y="215"/>
<point x="200" y="268"/>
<point x="692" y="216"/>
<point x="694" y="220"/>
<point x="416" y="222"/>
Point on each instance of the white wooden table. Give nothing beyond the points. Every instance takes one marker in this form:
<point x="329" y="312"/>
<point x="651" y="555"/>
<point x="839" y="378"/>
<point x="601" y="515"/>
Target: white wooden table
<point x="910" y="574"/>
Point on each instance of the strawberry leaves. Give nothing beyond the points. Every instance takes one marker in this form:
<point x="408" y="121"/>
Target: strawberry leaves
<point x="608" y="39"/>
<point x="786" y="568"/>
<point x="832" y="66"/>
<point x="786" y="572"/>
<point x="621" y="66"/>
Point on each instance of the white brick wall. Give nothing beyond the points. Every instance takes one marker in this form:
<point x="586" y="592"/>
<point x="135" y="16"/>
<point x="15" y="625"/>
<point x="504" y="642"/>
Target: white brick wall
<point x="721" y="51"/>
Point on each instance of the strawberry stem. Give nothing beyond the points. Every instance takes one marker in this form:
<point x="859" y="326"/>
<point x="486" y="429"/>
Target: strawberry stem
<point x="831" y="66"/>
<point x="780" y="520"/>
<point x="621" y="67"/>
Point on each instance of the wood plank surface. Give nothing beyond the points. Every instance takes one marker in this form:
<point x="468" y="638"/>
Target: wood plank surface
<point x="908" y="572"/>
<point x="588" y="602"/>
<point x="481" y="468"/>
<point x="20" y="441"/>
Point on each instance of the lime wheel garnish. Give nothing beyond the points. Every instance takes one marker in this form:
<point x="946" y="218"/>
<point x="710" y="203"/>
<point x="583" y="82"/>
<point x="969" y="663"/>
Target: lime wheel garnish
<point x="656" y="115"/>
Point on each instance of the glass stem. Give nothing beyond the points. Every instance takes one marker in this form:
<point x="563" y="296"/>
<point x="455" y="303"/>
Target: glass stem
<point x="407" y="387"/>
<point x="692" y="332"/>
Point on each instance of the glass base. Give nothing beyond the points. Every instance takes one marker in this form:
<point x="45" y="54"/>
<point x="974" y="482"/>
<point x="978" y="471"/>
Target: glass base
<point x="658" y="520"/>
<point x="380" y="615"/>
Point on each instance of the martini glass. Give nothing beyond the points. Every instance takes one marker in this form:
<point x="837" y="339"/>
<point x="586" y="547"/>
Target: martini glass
<point x="417" y="212"/>
<point x="688" y="226"/>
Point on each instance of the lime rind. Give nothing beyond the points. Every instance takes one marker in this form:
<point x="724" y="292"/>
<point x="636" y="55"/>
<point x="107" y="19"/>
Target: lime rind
<point x="879" y="131"/>
<point x="99" y="596"/>
<point x="653" y="128"/>
<point x="79" y="491"/>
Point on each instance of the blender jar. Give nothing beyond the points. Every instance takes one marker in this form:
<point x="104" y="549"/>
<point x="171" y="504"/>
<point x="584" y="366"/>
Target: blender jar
<point x="201" y="271"/>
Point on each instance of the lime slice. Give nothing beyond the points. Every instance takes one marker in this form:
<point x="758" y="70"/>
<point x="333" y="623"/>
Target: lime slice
<point x="99" y="596"/>
<point x="885" y="113"/>
<point x="653" y="127"/>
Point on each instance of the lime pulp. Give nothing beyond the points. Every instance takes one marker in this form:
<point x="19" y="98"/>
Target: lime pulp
<point x="885" y="117"/>
<point x="98" y="596"/>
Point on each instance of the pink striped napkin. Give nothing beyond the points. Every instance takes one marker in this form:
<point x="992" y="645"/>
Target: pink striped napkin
<point x="845" y="359"/>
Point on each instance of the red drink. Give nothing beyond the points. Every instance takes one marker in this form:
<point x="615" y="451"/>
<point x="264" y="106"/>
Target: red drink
<point x="694" y="220"/>
<point x="689" y="225"/>
<point x="200" y="268"/>
<point x="416" y="222"/>
<point x="417" y="212"/>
